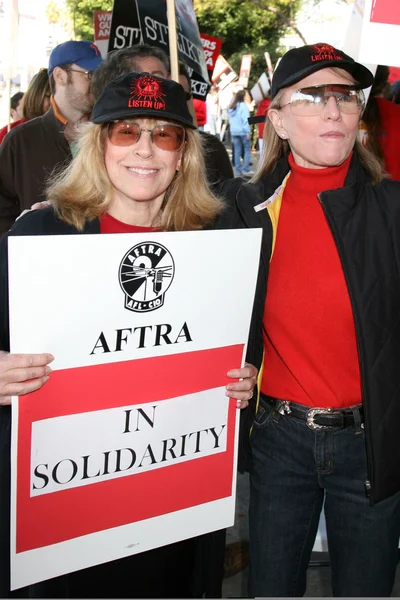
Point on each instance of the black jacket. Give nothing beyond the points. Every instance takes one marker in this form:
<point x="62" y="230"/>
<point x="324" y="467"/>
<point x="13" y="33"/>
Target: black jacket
<point x="28" y="155"/>
<point x="365" y="224"/>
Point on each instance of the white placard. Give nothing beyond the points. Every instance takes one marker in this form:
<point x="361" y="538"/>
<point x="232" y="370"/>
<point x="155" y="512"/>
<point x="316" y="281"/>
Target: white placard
<point x="144" y="328"/>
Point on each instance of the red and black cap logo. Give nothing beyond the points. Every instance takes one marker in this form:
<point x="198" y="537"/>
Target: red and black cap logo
<point x="147" y="92"/>
<point x="325" y="52"/>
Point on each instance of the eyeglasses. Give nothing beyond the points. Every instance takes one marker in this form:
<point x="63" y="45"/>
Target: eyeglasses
<point x="167" y="136"/>
<point x="311" y="101"/>
<point x="89" y="74"/>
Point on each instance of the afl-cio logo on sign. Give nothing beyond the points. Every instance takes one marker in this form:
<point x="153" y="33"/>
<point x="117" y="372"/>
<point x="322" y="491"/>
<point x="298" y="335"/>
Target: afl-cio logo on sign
<point x="145" y="274"/>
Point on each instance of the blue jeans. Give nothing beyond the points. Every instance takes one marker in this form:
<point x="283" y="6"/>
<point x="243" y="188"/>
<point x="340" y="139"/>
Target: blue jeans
<point x="241" y="147"/>
<point x="295" y="471"/>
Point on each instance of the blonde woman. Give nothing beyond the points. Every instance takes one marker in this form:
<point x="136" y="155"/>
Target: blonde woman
<point x="326" y="428"/>
<point x="137" y="170"/>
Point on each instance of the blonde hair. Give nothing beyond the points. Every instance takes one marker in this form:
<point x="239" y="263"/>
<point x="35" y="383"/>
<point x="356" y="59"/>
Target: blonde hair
<point x="83" y="191"/>
<point x="274" y="147"/>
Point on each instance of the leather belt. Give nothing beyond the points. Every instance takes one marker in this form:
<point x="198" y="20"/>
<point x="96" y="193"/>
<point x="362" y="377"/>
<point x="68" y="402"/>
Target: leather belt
<point x="318" y="418"/>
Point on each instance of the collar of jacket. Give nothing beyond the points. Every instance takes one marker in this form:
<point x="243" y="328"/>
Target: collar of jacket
<point x="338" y="202"/>
<point x="250" y="195"/>
<point x="51" y="123"/>
<point x="343" y="200"/>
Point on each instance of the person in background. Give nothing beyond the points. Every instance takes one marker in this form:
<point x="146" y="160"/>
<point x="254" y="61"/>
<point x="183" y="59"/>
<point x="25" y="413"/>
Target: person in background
<point x="37" y="97"/>
<point x="225" y="97"/>
<point x="140" y="58"/>
<point x="218" y="165"/>
<point x="324" y="431"/>
<point x="151" y="170"/>
<point x="240" y="132"/>
<point x="396" y="92"/>
<point x="200" y="109"/>
<point x="213" y="112"/>
<point x="16" y="103"/>
<point x="262" y="111"/>
<point x="380" y="125"/>
<point x="36" y="100"/>
<point x="30" y="152"/>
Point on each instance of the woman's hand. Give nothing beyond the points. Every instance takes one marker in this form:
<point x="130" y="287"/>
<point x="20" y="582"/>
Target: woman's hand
<point x="22" y="373"/>
<point x="242" y="390"/>
<point x="35" y="206"/>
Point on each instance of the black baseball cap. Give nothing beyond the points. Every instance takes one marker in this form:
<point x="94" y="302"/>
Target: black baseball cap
<point x="300" y="62"/>
<point x="142" y="95"/>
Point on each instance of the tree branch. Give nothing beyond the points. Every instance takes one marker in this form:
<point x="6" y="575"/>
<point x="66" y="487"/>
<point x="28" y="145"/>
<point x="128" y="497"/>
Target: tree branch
<point x="288" y="20"/>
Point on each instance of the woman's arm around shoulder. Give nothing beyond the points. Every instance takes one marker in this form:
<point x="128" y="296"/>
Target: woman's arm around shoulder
<point x="229" y="217"/>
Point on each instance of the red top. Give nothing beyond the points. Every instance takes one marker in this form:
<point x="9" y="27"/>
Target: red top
<point x="309" y="335"/>
<point x="4" y="130"/>
<point x="388" y="136"/>
<point x="394" y="74"/>
<point x="200" y="108"/>
<point x="261" y="111"/>
<point x="109" y="224"/>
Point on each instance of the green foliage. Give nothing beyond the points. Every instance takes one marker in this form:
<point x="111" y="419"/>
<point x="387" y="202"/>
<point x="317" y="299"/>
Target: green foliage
<point x="53" y="12"/>
<point x="81" y="14"/>
<point x="245" y="26"/>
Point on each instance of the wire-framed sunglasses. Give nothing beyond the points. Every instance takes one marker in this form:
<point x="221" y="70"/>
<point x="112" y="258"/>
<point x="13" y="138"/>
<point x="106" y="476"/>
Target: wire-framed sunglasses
<point x="89" y="74"/>
<point x="166" y="136"/>
<point x="311" y="101"/>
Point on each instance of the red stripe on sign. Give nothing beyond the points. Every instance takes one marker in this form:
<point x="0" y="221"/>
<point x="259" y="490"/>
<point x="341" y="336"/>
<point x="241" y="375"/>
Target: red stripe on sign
<point x="64" y="515"/>
<point x="386" y="12"/>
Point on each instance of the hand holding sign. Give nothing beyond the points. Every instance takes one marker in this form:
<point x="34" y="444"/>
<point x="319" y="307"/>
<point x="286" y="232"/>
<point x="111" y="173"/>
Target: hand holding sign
<point x="22" y="374"/>
<point x="242" y="390"/>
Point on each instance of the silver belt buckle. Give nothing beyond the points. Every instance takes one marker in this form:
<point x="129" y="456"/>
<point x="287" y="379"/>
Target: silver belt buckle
<point x="310" y="418"/>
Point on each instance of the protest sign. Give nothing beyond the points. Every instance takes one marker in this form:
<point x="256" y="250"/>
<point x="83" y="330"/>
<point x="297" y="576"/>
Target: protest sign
<point x="385" y="11"/>
<point x="223" y="73"/>
<point x="245" y="67"/>
<point x="145" y="21"/>
<point x="125" y="26"/>
<point x="269" y="65"/>
<point x="102" y="24"/>
<point x="261" y="89"/>
<point x="352" y="40"/>
<point x="380" y="33"/>
<point x="132" y="442"/>
<point x="212" y="49"/>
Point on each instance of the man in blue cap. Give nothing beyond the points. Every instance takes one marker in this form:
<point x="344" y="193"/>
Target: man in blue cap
<point x="30" y="152"/>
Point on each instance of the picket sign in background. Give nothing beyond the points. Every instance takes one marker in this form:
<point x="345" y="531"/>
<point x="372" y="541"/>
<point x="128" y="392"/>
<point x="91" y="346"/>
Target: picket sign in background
<point x="380" y="33"/>
<point x="64" y="291"/>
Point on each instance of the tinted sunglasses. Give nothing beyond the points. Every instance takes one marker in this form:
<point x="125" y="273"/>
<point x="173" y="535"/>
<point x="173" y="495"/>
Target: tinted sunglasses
<point x="166" y="136"/>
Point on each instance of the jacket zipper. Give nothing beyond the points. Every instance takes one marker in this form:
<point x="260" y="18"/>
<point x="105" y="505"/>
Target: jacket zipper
<point x="264" y="267"/>
<point x="249" y="226"/>
<point x="368" y="485"/>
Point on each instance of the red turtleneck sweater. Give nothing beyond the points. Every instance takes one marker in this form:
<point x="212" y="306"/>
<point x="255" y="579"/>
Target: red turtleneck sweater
<point x="309" y="336"/>
<point x="109" y="224"/>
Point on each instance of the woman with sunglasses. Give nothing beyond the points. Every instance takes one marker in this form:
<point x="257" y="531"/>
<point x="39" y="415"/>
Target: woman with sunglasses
<point x="325" y="429"/>
<point x="139" y="168"/>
